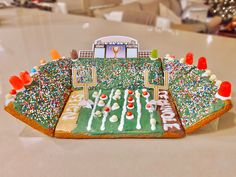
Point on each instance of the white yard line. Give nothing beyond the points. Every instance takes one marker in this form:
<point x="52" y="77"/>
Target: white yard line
<point x="102" y="128"/>
<point x="138" y="103"/>
<point x="153" y="127"/>
<point x="122" y="120"/>
<point x="89" y="126"/>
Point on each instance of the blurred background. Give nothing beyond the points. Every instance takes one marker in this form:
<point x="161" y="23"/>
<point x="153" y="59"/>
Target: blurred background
<point x="202" y="16"/>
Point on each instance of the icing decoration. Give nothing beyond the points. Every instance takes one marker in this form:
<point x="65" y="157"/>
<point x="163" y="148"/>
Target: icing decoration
<point x="224" y="91"/>
<point x="129" y="115"/>
<point x="167" y="115"/>
<point x="25" y="77"/>
<point x="202" y="63"/>
<point x="122" y="120"/>
<point x="189" y="58"/>
<point x="106" y="110"/>
<point x="74" y="55"/>
<point x="16" y="83"/>
<point x="89" y="126"/>
<point x="153" y="124"/>
<point x="113" y="119"/>
<point x="139" y="107"/>
<point x="42" y="62"/>
<point x="55" y="55"/>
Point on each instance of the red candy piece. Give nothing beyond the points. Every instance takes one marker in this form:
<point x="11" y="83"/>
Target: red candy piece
<point x="55" y="55"/>
<point x="106" y="109"/>
<point x="13" y="92"/>
<point x="130" y="105"/>
<point x="16" y="82"/>
<point x="130" y="92"/>
<point x="148" y="106"/>
<point x="25" y="77"/>
<point x="103" y="96"/>
<point x="145" y="93"/>
<point x="130" y="98"/>
<point x="129" y="113"/>
<point x="189" y="58"/>
<point x="202" y="63"/>
<point x="225" y="89"/>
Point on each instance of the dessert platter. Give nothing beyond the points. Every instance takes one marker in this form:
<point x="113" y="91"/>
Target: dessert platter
<point x="116" y="90"/>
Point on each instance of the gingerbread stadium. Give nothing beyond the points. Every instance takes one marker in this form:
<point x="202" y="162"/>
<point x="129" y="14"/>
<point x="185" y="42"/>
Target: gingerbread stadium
<point x="116" y="90"/>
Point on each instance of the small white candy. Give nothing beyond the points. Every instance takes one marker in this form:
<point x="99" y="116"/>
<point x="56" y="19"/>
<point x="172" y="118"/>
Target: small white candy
<point x="206" y="73"/>
<point x="98" y="113"/>
<point x="101" y="103"/>
<point x="182" y="60"/>
<point x="115" y="106"/>
<point x="212" y="77"/>
<point x="113" y="118"/>
<point x="95" y="94"/>
<point x="118" y="92"/>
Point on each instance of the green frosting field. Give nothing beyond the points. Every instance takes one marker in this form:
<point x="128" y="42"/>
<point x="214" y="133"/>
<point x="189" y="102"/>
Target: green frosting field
<point x="112" y="128"/>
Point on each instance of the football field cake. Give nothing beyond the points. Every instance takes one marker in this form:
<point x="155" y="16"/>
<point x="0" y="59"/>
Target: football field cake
<point x="117" y="91"/>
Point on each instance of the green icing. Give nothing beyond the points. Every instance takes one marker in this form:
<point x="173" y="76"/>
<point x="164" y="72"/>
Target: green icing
<point x="112" y="128"/>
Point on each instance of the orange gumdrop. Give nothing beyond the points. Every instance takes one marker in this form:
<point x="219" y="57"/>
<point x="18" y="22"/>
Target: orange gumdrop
<point x="16" y="82"/>
<point x="55" y="55"/>
<point x="25" y="77"/>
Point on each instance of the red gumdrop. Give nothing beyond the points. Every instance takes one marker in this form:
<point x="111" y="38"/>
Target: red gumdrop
<point x="225" y="89"/>
<point x="13" y="92"/>
<point x="25" y="77"/>
<point x="202" y="63"/>
<point x="16" y="82"/>
<point x="189" y="58"/>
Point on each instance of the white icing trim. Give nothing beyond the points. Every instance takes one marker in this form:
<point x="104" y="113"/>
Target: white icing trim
<point x="89" y="126"/>
<point x="221" y="97"/>
<point x="139" y="108"/>
<point x="122" y="120"/>
<point x="102" y="128"/>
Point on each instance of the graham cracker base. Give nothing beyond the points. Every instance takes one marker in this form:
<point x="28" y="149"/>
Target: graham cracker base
<point x="209" y="118"/>
<point x="10" y="109"/>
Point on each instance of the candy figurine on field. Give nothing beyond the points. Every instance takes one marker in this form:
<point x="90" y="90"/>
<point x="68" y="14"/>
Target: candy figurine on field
<point x="116" y="90"/>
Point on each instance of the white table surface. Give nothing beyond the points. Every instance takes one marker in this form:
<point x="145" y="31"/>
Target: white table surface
<point x="28" y="35"/>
